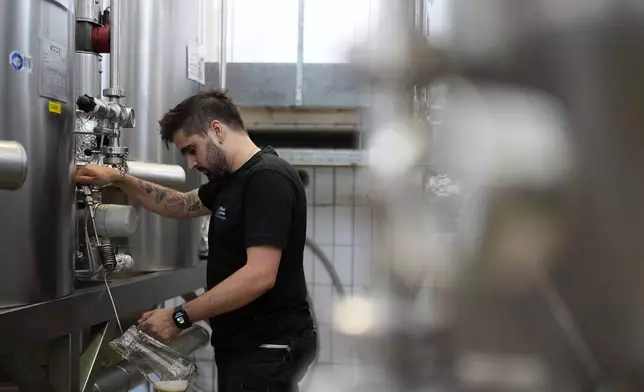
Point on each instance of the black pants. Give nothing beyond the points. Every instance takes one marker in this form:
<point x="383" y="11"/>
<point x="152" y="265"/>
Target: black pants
<point x="268" y="369"/>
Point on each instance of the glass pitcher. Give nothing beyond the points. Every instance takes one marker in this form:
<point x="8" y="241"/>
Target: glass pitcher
<point x="166" y="369"/>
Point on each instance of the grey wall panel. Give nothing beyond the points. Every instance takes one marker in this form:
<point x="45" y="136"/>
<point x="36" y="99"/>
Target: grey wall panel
<point x="253" y="84"/>
<point x="262" y="84"/>
<point x="333" y="85"/>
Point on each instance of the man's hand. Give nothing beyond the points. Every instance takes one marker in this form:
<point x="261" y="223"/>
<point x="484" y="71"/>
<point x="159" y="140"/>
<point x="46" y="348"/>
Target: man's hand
<point x="96" y="174"/>
<point x="159" y="324"/>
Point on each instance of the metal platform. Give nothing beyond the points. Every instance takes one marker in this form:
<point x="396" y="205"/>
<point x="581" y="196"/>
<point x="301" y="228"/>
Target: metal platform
<point x="28" y="325"/>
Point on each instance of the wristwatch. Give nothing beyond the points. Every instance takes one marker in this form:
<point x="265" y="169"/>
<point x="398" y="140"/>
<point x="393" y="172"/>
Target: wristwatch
<point x="180" y="317"/>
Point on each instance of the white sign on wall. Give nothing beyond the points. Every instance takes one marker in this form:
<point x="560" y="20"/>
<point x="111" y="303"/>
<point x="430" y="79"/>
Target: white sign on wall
<point x="197" y="63"/>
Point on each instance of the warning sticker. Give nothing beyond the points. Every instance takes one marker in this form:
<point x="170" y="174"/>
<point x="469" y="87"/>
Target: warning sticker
<point x="55" y="107"/>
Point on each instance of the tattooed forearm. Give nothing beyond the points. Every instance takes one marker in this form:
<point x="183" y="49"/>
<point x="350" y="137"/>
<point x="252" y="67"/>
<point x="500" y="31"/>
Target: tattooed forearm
<point x="194" y="203"/>
<point x="146" y="186"/>
<point x="163" y="201"/>
<point x="176" y="202"/>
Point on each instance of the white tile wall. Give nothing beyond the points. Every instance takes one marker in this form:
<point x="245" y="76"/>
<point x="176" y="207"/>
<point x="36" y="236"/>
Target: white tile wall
<point x="362" y="232"/>
<point x="320" y="274"/>
<point x="343" y="225"/>
<point x="323" y="186"/>
<point x="340" y="217"/>
<point x="344" y="186"/>
<point x="323" y="225"/>
<point x="343" y="264"/>
<point x="324" y="350"/>
<point x="342" y="349"/>
<point x="309" y="261"/>
<point x="362" y="268"/>
<point x="323" y="303"/>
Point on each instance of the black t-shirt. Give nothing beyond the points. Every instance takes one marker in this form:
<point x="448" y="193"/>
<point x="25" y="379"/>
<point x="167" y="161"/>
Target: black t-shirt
<point x="262" y="203"/>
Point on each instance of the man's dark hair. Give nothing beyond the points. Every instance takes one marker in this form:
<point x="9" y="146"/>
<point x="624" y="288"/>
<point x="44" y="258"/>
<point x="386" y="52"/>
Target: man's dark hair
<point x="194" y="114"/>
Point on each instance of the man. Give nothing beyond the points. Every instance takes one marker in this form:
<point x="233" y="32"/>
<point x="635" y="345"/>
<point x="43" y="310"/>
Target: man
<point x="263" y="333"/>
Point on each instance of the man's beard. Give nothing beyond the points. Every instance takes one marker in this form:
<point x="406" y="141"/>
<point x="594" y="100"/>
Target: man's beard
<point x="216" y="167"/>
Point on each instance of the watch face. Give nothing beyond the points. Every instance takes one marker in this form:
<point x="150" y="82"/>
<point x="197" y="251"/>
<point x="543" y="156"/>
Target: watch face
<point x="180" y="319"/>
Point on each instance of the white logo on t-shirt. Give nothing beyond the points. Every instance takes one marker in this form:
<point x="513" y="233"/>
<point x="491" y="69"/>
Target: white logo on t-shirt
<point x="220" y="213"/>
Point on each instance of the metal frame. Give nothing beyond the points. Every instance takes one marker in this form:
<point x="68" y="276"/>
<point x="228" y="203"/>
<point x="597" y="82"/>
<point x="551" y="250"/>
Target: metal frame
<point x="60" y="324"/>
<point x="42" y="322"/>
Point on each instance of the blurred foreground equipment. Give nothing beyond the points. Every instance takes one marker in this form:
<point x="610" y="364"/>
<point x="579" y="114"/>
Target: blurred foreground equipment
<point x="543" y="133"/>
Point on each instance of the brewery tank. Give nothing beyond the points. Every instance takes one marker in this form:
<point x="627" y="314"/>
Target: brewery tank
<point x="153" y="71"/>
<point x="37" y="110"/>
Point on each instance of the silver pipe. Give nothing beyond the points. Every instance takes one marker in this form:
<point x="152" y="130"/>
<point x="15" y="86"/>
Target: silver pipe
<point x="13" y="165"/>
<point x="116" y="221"/>
<point x="115" y="49"/>
<point x="172" y="176"/>
<point x="223" y="40"/>
<point x="88" y="11"/>
<point x="88" y="74"/>
<point x="299" y="75"/>
<point x="124" y="376"/>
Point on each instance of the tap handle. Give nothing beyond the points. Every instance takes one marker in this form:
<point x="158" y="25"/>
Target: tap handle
<point x="86" y="103"/>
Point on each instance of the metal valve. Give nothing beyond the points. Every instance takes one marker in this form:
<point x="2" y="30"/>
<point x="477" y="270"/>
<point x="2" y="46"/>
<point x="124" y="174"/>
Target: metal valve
<point x="119" y="116"/>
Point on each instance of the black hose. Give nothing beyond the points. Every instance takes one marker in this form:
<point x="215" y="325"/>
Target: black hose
<point x="328" y="264"/>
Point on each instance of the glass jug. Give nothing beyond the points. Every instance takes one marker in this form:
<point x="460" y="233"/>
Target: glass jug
<point x="166" y="369"/>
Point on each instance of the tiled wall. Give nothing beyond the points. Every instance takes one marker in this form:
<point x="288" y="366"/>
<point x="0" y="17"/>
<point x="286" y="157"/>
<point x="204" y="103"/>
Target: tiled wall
<point x="340" y="221"/>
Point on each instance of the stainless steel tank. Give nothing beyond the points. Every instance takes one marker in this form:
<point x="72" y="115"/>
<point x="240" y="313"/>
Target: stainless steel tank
<point x="37" y="110"/>
<point x="153" y="72"/>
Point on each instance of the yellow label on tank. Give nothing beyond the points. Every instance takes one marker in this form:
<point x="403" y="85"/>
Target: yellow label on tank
<point x="55" y="107"/>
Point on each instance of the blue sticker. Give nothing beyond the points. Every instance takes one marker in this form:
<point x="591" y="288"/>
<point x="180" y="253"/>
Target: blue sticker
<point x="16" y="60"/>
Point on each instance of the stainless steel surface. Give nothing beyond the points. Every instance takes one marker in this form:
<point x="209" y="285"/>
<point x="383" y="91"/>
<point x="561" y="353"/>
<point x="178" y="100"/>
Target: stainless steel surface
<point x="91" y="306"/>
<point x="114" y="220"/>
<point x="153" y="70"/>
<point x="90" y="360"/>
<point x="88" y="73"/>
<point x="120" y="116"/>
<point x="64" y="362"/>
<point x="88" y="10"/>
<point x="13" y="165"/>
<point x="115" y="51"/>
<point x="299" y="70"/>
<point x="172" y="176"/>
<point x="25" y="372"/>
<point x="112" y="118"/>
<point x="36" y="222"/>
<point x="124" y="376"/>
<point x="223" y="42"/>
